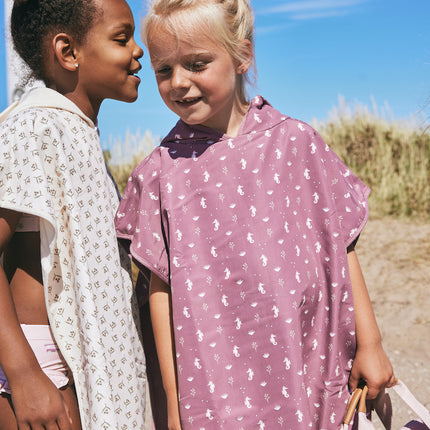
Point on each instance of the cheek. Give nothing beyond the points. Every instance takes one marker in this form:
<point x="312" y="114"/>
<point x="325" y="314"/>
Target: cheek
<point x="163" y="87"/>
<point x="221" y="78"/>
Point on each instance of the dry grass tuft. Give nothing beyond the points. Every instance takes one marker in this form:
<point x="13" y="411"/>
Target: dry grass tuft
<point x="392" y="157"/>
<point x="125" y="155"/>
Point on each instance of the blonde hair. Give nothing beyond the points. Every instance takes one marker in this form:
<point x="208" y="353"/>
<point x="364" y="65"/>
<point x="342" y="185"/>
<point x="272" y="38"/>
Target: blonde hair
<point x="228" y="22"/>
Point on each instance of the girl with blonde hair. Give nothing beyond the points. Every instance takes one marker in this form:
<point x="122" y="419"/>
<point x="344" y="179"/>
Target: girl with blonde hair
<point x="247" y="221"/>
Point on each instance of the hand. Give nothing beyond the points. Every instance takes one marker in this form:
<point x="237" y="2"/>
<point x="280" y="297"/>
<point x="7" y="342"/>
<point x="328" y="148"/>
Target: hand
<point x="173" y="416"/>
<point x="38" y="403"/>
<point x="372" y="365"/>
<point x="173" y="424"/>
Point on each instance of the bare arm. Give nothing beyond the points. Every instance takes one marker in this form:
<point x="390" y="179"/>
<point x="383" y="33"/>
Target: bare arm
<point x="371" y="362"/>
<point x="10" y="330"/>
<point x="161" y="315"/>
<point x="35" y="398"/>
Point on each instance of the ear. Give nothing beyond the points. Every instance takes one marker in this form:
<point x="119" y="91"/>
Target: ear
<point x="247" y="55"/>
<point x="65" y="52"/>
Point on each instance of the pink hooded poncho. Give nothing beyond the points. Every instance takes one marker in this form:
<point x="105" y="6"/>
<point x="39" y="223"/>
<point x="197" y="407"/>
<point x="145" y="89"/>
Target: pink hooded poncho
<point x="251" y="234"/>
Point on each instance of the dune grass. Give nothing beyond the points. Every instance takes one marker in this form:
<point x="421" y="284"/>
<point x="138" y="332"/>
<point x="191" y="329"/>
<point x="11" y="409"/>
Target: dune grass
<point x="126" y="154"/>
<point x="391" y="157"/>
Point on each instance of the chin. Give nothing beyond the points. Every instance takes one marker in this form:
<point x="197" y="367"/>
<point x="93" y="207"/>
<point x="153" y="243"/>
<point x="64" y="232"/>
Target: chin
<point x="130" y="99"/>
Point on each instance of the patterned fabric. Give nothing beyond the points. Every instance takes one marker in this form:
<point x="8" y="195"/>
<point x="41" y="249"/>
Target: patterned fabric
<point x="251" y="234"/>
<point x="52" y="166"/>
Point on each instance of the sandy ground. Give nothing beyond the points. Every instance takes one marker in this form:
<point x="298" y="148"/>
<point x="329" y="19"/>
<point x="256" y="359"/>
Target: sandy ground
<point x="395" y="259"/>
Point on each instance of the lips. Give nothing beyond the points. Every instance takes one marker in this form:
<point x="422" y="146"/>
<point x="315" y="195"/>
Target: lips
<point x="135" y="78"/>
<point x="188" y="100"/>
<point x="133" y="75"/>
<point x="135" y="71"/>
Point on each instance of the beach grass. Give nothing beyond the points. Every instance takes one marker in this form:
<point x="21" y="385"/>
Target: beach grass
<point x="124" y="155"/>
<point x="391" y="156"/>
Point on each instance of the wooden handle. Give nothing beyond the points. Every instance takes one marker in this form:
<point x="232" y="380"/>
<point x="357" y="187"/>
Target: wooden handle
<point x="362" y="404"/>
<point x="352" y="405"/>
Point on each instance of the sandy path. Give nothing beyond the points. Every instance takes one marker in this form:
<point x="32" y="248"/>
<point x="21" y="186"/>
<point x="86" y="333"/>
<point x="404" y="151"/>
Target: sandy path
<point x="395" y="259"/>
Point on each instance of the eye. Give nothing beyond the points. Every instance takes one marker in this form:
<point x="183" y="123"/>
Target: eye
<point x="163" y="71"/>
<point x="197" y="66"/>
<point x="122" y="41"/>
<point x="122" y="38"/>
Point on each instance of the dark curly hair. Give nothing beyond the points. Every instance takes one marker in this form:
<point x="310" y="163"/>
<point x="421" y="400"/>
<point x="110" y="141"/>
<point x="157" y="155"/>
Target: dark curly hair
<point x="33" y="21"/>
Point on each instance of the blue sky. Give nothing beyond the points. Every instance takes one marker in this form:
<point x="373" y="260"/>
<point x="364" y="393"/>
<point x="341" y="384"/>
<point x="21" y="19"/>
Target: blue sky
<point x="308" y="53"/>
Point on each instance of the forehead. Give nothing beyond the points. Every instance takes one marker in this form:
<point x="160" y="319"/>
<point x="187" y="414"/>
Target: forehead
<point x="114" y="12"/>
<point x="165" y="44"/>
<point x="201" y="25"/>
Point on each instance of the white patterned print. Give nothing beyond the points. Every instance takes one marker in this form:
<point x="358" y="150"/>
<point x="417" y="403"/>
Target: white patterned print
<point x="253" y="232"/>
<point x="52" y="166"/>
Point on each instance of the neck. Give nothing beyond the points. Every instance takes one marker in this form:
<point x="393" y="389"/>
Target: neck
<point x="235" y="120"/>
<point x="90" y="109"/>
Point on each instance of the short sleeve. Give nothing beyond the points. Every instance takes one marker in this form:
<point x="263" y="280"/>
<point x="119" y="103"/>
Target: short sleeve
<point x="140" y="220"/>
<point x="24" y="184"/>
<point x="349" y="195"/>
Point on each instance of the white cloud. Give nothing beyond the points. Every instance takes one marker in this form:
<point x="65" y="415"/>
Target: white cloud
<point x="318" y="14"/>
<point x="311" y="9"/>
<point x="271" y="28"/>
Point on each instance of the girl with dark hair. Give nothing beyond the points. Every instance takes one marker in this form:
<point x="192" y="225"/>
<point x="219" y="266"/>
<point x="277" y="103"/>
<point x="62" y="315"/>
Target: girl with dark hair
<point x="70" y="350"/>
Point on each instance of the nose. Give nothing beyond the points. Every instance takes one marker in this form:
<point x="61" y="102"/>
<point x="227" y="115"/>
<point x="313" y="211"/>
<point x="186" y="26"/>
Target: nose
<point x="137" y="51"/>
<point x="179" y="78"/>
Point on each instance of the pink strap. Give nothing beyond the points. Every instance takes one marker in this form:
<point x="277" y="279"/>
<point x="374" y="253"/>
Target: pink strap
<point x="402" y="390"/>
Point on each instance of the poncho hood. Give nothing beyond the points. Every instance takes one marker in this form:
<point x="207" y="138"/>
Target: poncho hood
<point x="47" y="98"/>
<point x="260" y="117"/>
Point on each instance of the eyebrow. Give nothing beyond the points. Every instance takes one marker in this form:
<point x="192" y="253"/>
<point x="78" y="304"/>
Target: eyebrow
<point x="126" y="26"/>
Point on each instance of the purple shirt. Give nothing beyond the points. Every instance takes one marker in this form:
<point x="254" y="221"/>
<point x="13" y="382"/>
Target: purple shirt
<point x="251" y="234"/>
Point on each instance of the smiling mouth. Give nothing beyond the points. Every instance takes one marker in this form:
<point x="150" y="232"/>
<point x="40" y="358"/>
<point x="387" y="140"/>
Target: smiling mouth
<point x="188" y="101"/>
<point x="134" y="76"/>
